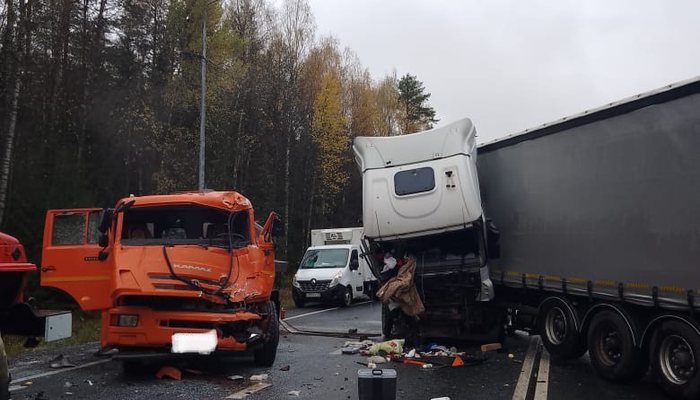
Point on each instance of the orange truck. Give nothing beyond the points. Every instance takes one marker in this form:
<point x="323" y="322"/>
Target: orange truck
<point x="18" y="317"/>
<point x="169" y="273"/>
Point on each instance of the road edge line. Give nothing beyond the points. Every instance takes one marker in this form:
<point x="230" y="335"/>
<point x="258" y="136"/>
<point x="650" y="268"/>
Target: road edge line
<point x="542" y="385"/>
<point x="55" y="372"/>
<point x="523" y="385"/>
<point x="324" y="310"/>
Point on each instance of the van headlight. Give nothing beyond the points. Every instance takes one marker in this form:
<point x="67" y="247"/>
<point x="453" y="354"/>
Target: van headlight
<point x="295" y="283"/>
<point x="336" y="279"/>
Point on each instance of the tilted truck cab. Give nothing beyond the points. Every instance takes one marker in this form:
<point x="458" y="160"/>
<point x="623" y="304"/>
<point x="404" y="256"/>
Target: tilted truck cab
<point x="421" y="198"/>
<point x="159" y="266"/>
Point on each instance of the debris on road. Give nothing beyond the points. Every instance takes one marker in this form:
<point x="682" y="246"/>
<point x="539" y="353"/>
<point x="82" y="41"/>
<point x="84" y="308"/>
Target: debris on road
<point x="376" y="360"/>
<point x="285" y="368"/>
<point x="169" y="372"/>
<point x="394" y="346"/>
<point x="258" y="378"/>
<point x="236" y="377"/>
<point x="61" y="362"/>
<point x="374" y="384"/>
<point x="294" y="393"/>
<point x="491" y="347"/>
<point x="242" y="394"/>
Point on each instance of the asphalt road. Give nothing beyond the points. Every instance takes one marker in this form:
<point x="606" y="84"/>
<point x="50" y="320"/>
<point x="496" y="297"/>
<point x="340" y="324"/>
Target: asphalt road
<point x="316" y="369"/>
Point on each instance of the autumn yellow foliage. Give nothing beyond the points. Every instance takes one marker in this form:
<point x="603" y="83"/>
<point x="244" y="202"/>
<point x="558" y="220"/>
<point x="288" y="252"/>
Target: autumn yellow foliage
<point x="328" y="132"/>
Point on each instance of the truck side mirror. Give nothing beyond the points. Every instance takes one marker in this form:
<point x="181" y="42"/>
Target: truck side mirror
<point x="103" y="240"/>
<point x="106" y="222"/>
<point x="277" y="230"/>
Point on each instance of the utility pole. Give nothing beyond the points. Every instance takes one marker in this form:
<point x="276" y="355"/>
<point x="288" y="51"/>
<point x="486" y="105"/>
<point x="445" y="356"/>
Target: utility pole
<point x="203" y="102"/>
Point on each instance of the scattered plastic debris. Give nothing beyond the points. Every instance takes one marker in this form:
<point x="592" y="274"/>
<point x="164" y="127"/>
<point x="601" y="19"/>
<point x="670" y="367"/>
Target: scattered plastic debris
<point x="67" y="384"/>
<point x="236" y="377"/>
<point x="394" y="346"/>
<point x="89" y="382"/>
<point x="258" y="378"/>
<point x="285" y="368"/>
<point x="169" y="372"/>
<point x="294" y="393"/>
<point x="376" y="360"/>
<point x="61" y="362"/>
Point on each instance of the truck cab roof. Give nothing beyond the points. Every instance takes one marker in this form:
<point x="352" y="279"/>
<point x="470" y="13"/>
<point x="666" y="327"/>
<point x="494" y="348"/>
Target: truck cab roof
<point x="225" y="200"/>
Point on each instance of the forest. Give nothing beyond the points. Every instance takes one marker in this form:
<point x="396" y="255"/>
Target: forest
<point x="100" y="99"/>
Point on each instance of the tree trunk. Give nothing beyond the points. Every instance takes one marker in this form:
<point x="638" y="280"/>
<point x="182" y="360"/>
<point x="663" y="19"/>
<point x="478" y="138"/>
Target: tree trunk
<point x="6" y="163"/>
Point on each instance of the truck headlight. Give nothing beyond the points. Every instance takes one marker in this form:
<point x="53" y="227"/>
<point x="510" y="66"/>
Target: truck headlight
<point x="125" y="320"/>
<point x="336" y="279"/>
<point x="295" y="283"/>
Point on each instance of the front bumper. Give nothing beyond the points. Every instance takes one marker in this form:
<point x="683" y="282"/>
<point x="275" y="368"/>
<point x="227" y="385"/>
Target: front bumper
<point x="332" y="294"/>
<point x="155" y="328"/>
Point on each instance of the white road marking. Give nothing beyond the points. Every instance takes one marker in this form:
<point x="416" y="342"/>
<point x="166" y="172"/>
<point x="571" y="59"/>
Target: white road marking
<point x="14" y="388"/>
<point x="59" y="371"/>
<point x="521" y="388"/>
<point x="322" y="311"/>
<point x="254" y="388"/>
<point x="542" y="377"/>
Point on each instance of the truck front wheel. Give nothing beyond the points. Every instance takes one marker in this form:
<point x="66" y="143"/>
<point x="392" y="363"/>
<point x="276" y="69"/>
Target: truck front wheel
<point x="346" y="297"/>
<point x="611" y="347"/>
<point x="265" y="356"/>
<point x="4" y="373"/>
<point x="676" y="359"/>
<point x="556" y="325"/>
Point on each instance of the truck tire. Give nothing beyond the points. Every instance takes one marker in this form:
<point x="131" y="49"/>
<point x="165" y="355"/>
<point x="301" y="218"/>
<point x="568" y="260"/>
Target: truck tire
<point x="346" y="298"/>
<point x="612" y="349"/>
<point x="556" y="325"/>
<point x="675" y="353"/>
<point x="265" y="356"/>
<point x="4" y="373"/>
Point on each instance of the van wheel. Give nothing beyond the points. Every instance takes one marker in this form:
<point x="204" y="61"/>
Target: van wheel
<point x="265" y="356"/>
<point x="346" y="300"/>
<point x="557" y="326"/>
<point x="676" y="359"/>
<point x="611" y="348"/>
<point x="298" y="301"/>
<point x="4" y="374"/>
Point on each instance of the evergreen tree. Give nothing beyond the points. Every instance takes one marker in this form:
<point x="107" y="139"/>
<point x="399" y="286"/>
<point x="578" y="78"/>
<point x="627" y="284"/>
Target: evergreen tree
<point x="418" y="114"/>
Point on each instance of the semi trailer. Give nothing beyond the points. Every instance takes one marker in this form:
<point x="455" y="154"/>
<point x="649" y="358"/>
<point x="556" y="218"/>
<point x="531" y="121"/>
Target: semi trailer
<point x="171" y="274"/>
<point x="599" y="219"/>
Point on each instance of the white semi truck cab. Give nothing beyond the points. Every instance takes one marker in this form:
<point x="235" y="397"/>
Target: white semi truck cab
<point x="421" y="199"/>
<point x="332" y="270"/>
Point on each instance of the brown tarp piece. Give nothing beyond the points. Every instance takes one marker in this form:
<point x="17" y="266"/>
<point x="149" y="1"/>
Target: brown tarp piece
<point x="402" y="290"/>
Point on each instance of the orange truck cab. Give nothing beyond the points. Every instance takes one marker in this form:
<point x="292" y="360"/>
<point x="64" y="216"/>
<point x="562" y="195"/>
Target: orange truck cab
<point x="170" y="269"/>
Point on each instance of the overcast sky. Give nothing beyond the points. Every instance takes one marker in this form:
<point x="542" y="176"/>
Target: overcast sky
<point x="512" y="65"/>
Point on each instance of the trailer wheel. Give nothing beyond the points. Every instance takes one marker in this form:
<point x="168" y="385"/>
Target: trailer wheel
<point x="676" y="359"/>
<point x="4" y="373"/>
<point x="265" y="356"/>
<point x="557" y="326"/>
<point x="612" y="349"/>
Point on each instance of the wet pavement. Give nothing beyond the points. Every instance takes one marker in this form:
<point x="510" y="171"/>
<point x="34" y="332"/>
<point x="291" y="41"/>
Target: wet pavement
<point x="316" y="370"/>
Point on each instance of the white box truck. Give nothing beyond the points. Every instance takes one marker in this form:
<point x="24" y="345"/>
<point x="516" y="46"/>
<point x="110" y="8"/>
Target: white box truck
<point x="332" y="270"/>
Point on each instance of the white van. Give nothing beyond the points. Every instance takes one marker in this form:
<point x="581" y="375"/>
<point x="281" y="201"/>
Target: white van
<point x="332" y="270"/>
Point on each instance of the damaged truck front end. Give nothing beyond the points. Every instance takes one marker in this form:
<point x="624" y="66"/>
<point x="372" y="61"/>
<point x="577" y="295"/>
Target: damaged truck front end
<point x="190" y="267"/>
<point x="421" y="204"/>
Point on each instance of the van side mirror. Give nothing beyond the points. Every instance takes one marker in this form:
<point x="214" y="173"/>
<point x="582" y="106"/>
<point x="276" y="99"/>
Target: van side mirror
<point x="354" y="264"/>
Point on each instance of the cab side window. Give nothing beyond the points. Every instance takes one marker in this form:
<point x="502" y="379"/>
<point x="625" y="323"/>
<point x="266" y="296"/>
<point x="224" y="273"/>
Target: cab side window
<point x="68" y="229"/>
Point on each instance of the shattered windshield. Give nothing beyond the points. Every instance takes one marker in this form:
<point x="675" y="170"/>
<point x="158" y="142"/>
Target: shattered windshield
<point x="185" y="225"/>
<point x="326" y="258"/>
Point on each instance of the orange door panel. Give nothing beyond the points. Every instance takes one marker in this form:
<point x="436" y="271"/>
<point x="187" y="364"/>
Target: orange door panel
<point x="70" y="261"/>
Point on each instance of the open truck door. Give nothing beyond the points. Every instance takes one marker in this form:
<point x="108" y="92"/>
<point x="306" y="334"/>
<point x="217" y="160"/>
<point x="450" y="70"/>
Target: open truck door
<point x="71" y="258"/>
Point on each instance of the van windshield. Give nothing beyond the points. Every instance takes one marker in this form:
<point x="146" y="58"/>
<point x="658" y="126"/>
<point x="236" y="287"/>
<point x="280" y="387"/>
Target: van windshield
<point x="204" y="226"/>
<point x="325" y="258"/>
